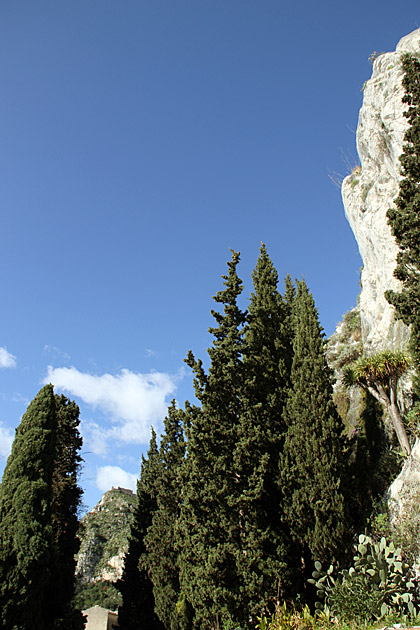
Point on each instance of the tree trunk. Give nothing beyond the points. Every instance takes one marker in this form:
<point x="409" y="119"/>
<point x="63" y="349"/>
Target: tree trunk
<point x="394" y="412"/>
<point x="390" y="402"/>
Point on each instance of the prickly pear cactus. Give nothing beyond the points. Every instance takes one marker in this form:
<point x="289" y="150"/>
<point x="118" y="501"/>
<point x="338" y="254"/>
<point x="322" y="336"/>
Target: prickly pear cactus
<point x="389" y="573"/>
<point x="379" y="577"/>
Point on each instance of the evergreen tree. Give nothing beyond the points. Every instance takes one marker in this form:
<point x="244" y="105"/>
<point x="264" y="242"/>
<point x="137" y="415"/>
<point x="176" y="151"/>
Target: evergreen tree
<point x="26" y="531"/>
<point x="312" y="466"/>
<point x="65" y="504"/>
<point x="209" y="526"/>
<point x="162" y="558"/>
<point x="374" y="462"/>
<point x="404" y="216"/>
<point x="263" y="557"/>
<point x="268" y="346"/>
<point x="138" y="606"/>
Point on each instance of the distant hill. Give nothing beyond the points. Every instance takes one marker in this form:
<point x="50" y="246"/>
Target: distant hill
<point x="104" y="542"/>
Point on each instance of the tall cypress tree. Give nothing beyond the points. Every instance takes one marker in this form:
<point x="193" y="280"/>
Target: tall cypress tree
<point x="263" y="557"/>
<point x="26" y="531"/>
<point x="137" y="611"/>
<point x="65" y="505"/>
<point x="404" y="216"/>
<point x="268" y="344"/>
<point x="209" y="525"/>
<point x="312" y="466"/>
<point x="162" y="557"/>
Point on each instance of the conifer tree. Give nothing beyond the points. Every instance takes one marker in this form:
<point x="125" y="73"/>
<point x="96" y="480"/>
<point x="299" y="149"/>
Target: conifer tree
<point x="162" y="558"/>
<point x="209" y="525"/>
<point x="268" y="347"/>
<point x="312" y="467"/>
<point x="65" y="504"/>
<point x="264" y="557"/>
<point x="39" y="502"/>
<point x="404" y="216"/>
<point x="137" y="611"/>
<point x="26" y="531"/>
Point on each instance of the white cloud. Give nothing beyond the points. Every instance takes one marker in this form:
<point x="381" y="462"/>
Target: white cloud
<point x="133" y="401"/>
<point x="7" y="360"/>
<point x="6" y="440"/>
<point x="108" y="476"/>
<point x="95" y="438"/>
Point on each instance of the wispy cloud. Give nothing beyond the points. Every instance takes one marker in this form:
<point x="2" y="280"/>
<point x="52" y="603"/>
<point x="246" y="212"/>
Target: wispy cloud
<point x="6" y="440"/>
<point x="95" y="438"/>
<point x="133" y="401"/>
<point x="108" y="476"/>
<point x="55" y="353"/>
<point x="150" y="353"/>
<point x="7" y="360"/>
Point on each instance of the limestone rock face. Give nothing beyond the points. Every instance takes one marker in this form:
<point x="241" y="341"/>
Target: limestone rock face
<point x="370" y="190"/>
<point x="407" y="484"/>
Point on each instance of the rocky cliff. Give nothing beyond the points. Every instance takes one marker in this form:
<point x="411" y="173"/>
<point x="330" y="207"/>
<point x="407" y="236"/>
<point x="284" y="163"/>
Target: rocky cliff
<point x="370" y="190"/>
<point x="104" y="537"/>
<point x="367" y="194"/>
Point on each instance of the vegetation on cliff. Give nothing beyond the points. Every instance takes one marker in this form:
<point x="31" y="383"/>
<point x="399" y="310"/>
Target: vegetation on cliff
<point x="404" y="215"/>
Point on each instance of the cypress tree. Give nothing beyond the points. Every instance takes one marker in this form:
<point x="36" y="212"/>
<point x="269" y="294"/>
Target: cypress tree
<point x="26" y="531"/>
<point x="209" y="526"/>
<point x="312" y="466"/>
<point x="65" y="504"/>
<point x="268" y="347"/>
<point x="137" y="611"/>
<point x="162" y="557"/>
<point x="404" y="216"/>
<point x="263" y="557"/>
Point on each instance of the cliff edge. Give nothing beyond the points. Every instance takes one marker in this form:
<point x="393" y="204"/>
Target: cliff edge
<point x="371" y="189"/>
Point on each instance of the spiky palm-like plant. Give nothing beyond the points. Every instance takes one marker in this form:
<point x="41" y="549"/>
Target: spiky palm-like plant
<point x="379" y="374"/>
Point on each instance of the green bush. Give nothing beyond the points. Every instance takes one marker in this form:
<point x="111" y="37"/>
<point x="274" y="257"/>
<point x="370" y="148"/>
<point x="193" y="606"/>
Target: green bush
<point x="354" y="600"/>
<point x="101" y="593"/>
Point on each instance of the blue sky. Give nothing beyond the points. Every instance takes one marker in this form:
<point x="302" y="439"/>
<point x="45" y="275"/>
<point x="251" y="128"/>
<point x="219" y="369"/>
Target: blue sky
<point x="139" y="142"/>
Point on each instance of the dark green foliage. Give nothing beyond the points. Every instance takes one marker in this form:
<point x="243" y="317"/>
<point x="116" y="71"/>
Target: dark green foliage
<point x="312" y="467"/>
<point x="162" y="557"/>
<point x="268" y="340"/>
<point x="66" y="500"/>
<point x="39" y="502"/>
<point x="264" y="555"/>
<point x="404" y="216"/>
<point x="137" y="609"/>
<point x="102" y="593"/>
<point x="374" y="463"/>
<point x="26" y="531"/>
<point x="209" y="531"/>
<point x="234" y="547"/>
<point x="221" y="529"/>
